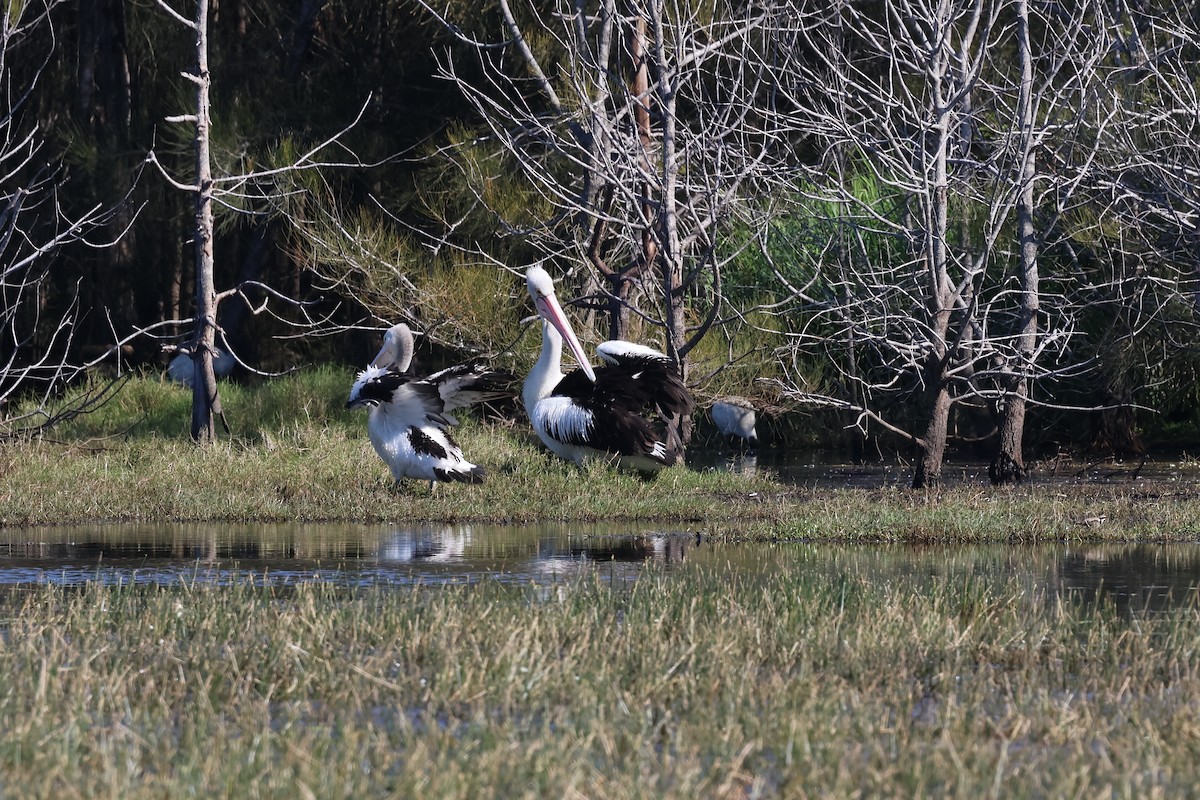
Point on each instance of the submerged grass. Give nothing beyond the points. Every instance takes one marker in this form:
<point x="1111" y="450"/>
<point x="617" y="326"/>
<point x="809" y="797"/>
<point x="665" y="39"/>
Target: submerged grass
<point x="791" y="682"/>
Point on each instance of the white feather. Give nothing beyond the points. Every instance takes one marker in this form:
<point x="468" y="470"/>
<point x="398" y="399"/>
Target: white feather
<point x="559" y="422"/>
<point x="615" y="351"/>
<point x="390" y="427"/>
<point x="411" y="411"/>
<point x="183" y="370"/>
<point x="734" y="416"/>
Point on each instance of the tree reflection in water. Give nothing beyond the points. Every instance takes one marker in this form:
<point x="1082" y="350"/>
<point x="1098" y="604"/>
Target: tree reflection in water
<point x="1134" y="578"/>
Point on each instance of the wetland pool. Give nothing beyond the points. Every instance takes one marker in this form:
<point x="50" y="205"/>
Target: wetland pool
<point x="1134" y="578"/>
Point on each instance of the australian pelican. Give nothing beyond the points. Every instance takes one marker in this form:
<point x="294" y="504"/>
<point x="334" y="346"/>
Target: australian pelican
<point x="409" y="419"/>
<point x="735" y="418"/>
<point x="599" y="412"/>
<point x="458" y="386"/>
<point x="408" y="428"/>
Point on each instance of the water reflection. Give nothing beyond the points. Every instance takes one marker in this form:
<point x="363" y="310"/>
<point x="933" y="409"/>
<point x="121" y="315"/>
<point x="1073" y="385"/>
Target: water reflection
<point x="349" y="554"/>
<point x="1134" y="579"/>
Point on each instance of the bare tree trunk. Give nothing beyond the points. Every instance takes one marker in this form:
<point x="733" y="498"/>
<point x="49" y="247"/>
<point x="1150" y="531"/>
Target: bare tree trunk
<point x="103" y="78"/>
<point x="679" y="430"/>
<point x="642" y="96"/>
<point x="620" y="277"/>
<point x="928" y="470"/>
<point x="303" y="31"/>
<point x="940" y="300"/>
<point x="1009" y="463"/>
<point x="206" y="403"/>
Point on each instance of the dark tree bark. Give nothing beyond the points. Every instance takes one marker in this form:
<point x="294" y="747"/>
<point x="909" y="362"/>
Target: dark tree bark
<point x="928" y="472"/>
<point x="103" y="79"/>
<point x="1009" y="464"/>
<point x="307" y="15"/>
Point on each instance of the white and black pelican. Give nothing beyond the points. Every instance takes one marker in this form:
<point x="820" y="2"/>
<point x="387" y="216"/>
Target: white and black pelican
<point x="459" y="386"/>
<point x="735" y="418"/>
<point x="599" y="412"/>
<point x="408" y="429"/>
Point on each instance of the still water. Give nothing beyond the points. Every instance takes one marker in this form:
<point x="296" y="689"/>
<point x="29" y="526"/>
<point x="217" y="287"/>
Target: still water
<point x="831" y="469"/>
<point x="1134" y="578"/>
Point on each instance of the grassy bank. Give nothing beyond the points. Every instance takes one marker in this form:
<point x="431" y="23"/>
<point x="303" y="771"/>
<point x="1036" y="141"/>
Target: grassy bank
<point x="296" y="454"/>
<point x="799" y="681"/>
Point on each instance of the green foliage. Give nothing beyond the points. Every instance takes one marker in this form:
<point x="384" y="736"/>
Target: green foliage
<point x="809" y="236"/>
<point x="155" y="408"/>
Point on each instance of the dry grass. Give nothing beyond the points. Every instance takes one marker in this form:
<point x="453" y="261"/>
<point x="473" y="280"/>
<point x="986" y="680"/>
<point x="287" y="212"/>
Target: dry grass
<point x="795" y="681"/>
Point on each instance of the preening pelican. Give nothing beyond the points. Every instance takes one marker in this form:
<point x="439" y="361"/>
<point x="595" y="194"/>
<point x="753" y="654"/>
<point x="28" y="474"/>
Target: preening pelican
<point x="408" y="428"/>
<point x="459" y="386"/>
<point x="599" y="412"/>
<point x="735" y="418"/>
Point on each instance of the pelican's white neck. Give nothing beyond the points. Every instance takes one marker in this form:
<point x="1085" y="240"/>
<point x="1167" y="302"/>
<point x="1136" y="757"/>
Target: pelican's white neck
<point x="547" y="372"/>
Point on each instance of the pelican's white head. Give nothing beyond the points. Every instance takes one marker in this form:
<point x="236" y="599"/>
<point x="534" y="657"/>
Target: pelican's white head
<point x="541" y="289"/>
<point x="397" y="350"/>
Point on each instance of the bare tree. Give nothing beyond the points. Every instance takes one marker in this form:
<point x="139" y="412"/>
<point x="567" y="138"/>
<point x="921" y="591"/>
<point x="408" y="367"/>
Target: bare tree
<point x="206" y="402"/>
<point x="924" y="102"/>
<point x="1008" y="465"/>
<point x="643" y="132"/>
<point x="1145" y="182"/>
<point x="208" y="189"/>
<point x="36" y="352"/>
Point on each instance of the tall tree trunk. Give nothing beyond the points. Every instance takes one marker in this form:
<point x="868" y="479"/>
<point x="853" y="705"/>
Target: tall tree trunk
<point x="940" y="305"/>
<point x="928" y="472"/>
<point x="1009" y="463"/>
<point x="206" y="403"/>
<point x="949" y="104"/>
<point x="303" y="30"/>
<point x="679" y="429"/>
<point x="103" y="78"/>
<point x="620" y="278"/>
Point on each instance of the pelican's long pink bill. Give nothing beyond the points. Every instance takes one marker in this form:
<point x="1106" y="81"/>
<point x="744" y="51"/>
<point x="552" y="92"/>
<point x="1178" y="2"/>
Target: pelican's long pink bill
<point x="548" y="308"/>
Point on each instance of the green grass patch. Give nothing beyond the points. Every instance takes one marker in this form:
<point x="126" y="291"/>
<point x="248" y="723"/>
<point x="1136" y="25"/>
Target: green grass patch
<point x="297" y="454"/>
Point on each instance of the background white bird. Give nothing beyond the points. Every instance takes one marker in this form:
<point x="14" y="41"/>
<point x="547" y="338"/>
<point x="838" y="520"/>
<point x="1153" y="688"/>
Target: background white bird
<point x="602" y="412"/>
<point x="735" y="417"/>
<point x="182" y="369"/>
